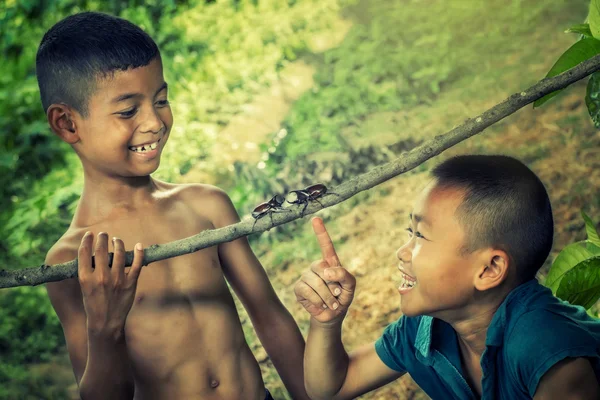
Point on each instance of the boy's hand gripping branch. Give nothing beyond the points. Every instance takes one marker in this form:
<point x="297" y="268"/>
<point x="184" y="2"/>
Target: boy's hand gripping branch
<point x="108" y="293"/>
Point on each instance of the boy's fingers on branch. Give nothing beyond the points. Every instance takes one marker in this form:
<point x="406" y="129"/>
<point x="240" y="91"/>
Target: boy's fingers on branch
<point x="118" y="264"/>
<point x="101" y="254"/>
<point x="84" y="255"/>
<point x="325" y="243"/>
<point x="136" y="265"/>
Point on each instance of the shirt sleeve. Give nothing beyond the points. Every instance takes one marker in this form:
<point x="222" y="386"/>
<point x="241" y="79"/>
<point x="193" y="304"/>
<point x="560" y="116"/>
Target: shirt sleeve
<point x="542" y="338"/>
<point x="395" y="346"/>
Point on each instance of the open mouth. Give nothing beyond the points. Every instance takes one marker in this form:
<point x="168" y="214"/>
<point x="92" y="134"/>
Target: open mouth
<point x="145" y="148"/>
<point x="407" y="283"/>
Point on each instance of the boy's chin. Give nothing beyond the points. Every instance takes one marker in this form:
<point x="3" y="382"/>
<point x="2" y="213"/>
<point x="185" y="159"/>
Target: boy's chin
<point x="409" y="311"/>
<point x="148" y="169"/>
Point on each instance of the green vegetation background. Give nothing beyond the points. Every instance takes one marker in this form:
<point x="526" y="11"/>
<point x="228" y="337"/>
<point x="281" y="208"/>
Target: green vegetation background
<point x="218" y="56"/>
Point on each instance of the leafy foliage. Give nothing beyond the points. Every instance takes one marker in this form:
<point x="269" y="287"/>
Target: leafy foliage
<point x="594" y="18"/>
<point x="575" y="273"/>
<point x="592" y="98"/>
<point x="586" y="48"/>
<point x="590" y="229"/>
<point x="30" y="332"/>
<point x="582" y="29"/>
<point x="579" y="52"/>
<point x="567" y="259"/>
<point x="581" y="284"/>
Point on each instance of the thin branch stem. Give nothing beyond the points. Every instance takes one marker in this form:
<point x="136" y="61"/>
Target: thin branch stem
<point x="405" y="162"/>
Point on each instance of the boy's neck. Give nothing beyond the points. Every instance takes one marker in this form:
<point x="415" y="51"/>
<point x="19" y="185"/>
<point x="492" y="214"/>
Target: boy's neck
<point x="101" y="197"/>
<point x="472" y="330"/>
<point x="471" y="323"/>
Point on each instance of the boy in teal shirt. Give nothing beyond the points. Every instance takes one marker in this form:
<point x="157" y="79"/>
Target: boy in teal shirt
<point x="476" y="323"/>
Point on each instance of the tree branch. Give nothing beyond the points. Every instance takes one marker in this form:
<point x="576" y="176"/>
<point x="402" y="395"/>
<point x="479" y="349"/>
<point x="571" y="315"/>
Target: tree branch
<point x="406" y="162"/>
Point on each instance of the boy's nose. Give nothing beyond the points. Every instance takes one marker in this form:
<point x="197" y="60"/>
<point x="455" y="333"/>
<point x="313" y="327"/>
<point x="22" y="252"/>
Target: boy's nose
<point x="152" y="124"/>
<point x="404" y="254"/>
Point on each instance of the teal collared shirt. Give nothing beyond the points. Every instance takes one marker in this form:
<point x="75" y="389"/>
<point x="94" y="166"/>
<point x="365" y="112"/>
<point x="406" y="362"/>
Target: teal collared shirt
<point x="530" y="332"/>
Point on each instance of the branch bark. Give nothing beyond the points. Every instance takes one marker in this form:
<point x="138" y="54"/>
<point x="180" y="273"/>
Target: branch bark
<point x="407" y="161"/>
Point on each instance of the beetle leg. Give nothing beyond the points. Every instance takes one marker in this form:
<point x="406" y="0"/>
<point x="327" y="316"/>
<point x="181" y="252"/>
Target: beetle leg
<point x="304" y="209"/>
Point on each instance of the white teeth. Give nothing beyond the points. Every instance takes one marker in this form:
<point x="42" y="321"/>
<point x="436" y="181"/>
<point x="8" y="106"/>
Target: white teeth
<point x="144" y="148"/>
<point x="406" y="283"/>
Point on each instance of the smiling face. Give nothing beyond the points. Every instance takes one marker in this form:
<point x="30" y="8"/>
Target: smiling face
<point x="437" y="277"/>
<point x="128" y="123"/>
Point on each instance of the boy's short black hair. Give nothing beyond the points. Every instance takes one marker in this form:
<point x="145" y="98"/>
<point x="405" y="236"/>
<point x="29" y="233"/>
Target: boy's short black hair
<point x="81" y="48"/>
<point x="505" y="206"/>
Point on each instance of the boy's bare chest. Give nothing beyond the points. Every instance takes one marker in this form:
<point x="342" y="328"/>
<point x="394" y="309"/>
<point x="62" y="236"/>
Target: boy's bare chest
<point x="199" y="271"/>
<point x="181" y="303"/>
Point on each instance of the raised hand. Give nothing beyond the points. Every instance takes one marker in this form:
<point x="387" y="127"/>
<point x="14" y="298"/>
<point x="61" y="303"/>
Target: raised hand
<point x="326" y="290"/>
<point x="108" y="293"/>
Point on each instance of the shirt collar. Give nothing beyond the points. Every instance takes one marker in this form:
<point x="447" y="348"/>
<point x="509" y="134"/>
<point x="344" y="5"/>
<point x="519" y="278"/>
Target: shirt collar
<point x="424" y="334"/>
<point x="495" y="333"/>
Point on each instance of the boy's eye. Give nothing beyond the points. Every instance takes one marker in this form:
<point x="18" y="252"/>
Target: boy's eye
<point x="417" y="233"/>
<point x="128" y="113"/>
<point x="162" y="103"/>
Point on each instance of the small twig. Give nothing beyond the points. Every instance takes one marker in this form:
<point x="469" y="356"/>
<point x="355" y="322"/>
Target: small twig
<point x="382" y="173"/>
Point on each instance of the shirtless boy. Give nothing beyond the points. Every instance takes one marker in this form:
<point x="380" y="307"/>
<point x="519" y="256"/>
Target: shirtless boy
<point x="476" y="322"/>
<point x="170" y="330"/>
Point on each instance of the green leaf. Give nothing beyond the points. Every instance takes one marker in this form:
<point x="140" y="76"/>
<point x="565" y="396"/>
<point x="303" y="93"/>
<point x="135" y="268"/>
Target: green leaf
<point x="581" y="285"/>
<point x="594" y="18"/>
<point x="567" y="259"/>
<point x="590" y="228"/>
<point x="582" y="29"/>
<point x="592" y="98"/>
<point x="576" y="54"/>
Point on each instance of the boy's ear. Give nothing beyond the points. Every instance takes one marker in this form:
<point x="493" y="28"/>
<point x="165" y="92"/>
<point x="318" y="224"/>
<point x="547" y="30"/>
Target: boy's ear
<point x="494" y="271"/>
<point x="61" y="122"/>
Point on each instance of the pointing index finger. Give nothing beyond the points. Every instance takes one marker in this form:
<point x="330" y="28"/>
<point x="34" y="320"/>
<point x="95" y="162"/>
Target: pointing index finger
<point x="325" y="243"/>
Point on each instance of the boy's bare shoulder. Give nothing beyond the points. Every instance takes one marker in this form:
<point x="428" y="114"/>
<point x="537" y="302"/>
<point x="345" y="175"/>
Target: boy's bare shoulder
<point x="65" y="295"/>
<point x="193" y="190"/>
<point x="207" y="200"/>
<point x="65" y="249"/>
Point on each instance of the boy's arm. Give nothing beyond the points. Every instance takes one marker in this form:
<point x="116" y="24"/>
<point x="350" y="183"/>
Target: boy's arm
<point x="570" y="379"/>
<point x="330" y="372"/>
<point x="99" y="357"/>
<point x="274" y="325"/>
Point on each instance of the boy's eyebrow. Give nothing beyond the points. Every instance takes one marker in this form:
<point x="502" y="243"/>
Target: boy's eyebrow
<point x="128" y="96"/>
<point x="419" y="218"/>
<point x="161" y="88"/>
